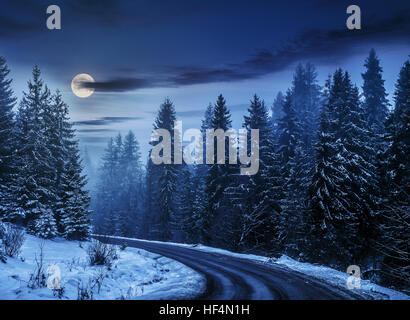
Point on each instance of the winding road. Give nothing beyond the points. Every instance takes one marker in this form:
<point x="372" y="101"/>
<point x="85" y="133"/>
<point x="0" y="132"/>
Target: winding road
<point x="232" y="278"/>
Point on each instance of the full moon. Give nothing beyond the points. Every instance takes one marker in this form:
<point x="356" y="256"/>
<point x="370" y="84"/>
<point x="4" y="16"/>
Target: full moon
<point x="78" y="89"/>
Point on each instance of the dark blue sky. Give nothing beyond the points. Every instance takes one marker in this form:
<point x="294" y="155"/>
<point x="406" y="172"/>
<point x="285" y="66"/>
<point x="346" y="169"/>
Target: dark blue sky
<point x="140" y="52"/>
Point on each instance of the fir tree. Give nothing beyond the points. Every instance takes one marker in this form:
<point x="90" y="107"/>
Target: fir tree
<point x="197" y="223"/>
<point x="105" y="217"/>
<point x="343" y="183"/>
<point x="7" y="137"/>
<point x="224" y="228"/>
<point x="44" y="225"/>
<point x="36" y="173"/>
<point x="306" y="102"/>
<point x="180" y="222"/>
<point x="394" y="220"/>
<point x="165" y="179"/>
<point x="398" y="137"/>
<point x="260" y="193"/>
<point x="131" y="185"/>
<point x="375" y="106"/>
<point x="277" y="109"/>
<point x="289" y="134"/>
<point x="375" y="97"/>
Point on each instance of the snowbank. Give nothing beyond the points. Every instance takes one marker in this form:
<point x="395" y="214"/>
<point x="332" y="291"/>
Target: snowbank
<point x="137" y="274"/>
<point x="339" y="278"/>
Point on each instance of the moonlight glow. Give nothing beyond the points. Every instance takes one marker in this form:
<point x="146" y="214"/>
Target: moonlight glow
<point x="78" y="90"/>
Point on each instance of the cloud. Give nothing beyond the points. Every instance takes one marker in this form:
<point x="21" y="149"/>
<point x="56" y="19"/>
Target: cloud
<point x="105" y="121"/>
<point x="94" y="130"/>
<point x="94" y="140"/>
<point x="325" y="46"/>
<point x="10" y="28"/>
<point x="190" y="113"/>
<point x="118" y="85"/>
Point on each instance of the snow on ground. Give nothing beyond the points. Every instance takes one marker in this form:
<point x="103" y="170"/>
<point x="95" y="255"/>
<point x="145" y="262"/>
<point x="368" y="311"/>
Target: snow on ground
<point x="324" y="273"/>
<point x="339" y="279"/>
<point x="137" y="274"/>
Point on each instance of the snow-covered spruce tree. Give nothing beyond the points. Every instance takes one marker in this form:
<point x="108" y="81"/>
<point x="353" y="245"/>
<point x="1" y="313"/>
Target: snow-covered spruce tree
<point x="7" y="145"/>
<point x="70" y="200"/>
<point x="260" y="193"/>
<point x="290" y="155"/>
<point x="203" y="168"/>
<point x="55" y="118"/>
<point x="34" y="186"/>
<point x="196" y="224"/>
<point x="289" y="133"/>
<point x="74" y="217"/>
<point x="70" y="183"/>
<point x="44" y="225"/>
<point x="131" y="192"/>
<point x="294" y="156"/>
<point x="394" y="220"/>
<point x="375" y="102"/>
<point x="166" y="178"/>
<point x="376" y="110"/>
<point x="224" y="226"/>
<point x="105" y="217"/>
<point x="277" y="110"/>
<point x="147" y="229"/>
<point x="89" y="169"/>
<point x="307" y="100"/>
<point x="294" y="203"/>
<point x="180" y="222"/>
<point x="343" y="182"/>
<point x="398" y="135"/>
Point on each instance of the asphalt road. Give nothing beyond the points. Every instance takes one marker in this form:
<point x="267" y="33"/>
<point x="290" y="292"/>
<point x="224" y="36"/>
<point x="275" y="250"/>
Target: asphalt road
<point x="231" y="278"/>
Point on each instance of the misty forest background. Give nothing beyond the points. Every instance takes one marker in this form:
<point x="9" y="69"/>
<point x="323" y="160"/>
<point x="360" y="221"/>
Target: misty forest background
<point x="332" y="188"/>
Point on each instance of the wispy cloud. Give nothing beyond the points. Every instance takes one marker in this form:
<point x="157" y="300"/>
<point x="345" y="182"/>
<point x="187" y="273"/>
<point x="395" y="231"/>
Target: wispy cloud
<point x="328" y="46"/>
<point x="105" y="121"/>
<point x="95" y="130"/>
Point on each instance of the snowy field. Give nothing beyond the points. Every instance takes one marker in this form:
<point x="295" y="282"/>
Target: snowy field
<point x="137" y="274"/>
<point x="332" y="276"/>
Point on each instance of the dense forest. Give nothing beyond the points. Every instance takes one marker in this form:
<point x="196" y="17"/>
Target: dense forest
<point x="332" y="187"/>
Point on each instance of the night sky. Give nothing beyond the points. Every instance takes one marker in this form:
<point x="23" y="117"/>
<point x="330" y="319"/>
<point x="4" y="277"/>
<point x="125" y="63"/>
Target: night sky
<point x="140" y="52"/>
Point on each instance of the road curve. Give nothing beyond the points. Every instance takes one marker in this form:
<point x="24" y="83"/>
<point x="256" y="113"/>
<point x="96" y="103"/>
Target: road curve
<point x="232" y="278"/>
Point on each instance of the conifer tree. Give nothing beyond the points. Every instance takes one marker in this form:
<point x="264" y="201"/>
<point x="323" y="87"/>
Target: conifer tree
<point x="277" y="109"/>
<point x="7" y="138"/>
<point x="224" y="229"/>
<point x="261" y="192"/>
<point x="164" y="179"/>
<point x="394" y="220"/>
<point x="44" y="225"/>
<point x="71" y="205"/>
<point x="376" y="110"/>
<point x="289" y="134"/>
<point x="343" y="183"/>
<point x="131" y="189"/>
<point x="375" y="97"/>
<point x="197" y="223"/>
<point x="105" y="217"/>
<point x="36" y="172"/>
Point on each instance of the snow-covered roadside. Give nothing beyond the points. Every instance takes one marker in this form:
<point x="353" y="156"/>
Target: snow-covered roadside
<point x="339" y="279"/>
<point x="137" y="274"/>
<point x="330" y="275"/>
